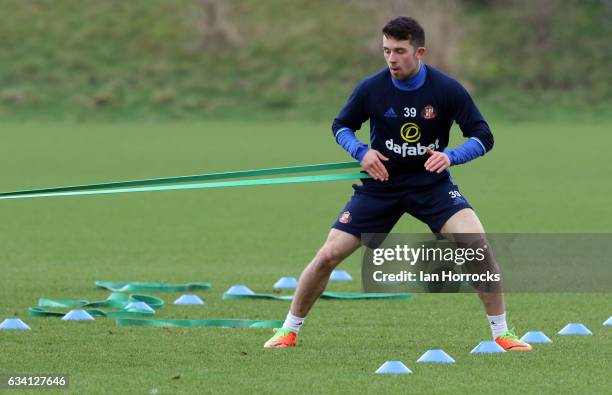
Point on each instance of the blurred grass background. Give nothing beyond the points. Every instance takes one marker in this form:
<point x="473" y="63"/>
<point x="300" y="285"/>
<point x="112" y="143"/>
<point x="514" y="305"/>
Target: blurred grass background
<point x="210" y="59"/>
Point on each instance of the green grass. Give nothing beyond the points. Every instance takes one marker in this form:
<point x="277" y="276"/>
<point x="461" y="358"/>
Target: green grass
<point x="539" y="178"/>
<point x="72" y="60"/>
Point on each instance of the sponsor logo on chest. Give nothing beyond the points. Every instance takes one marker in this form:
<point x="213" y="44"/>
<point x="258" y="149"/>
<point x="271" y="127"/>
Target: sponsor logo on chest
<point x="411" y="133"/>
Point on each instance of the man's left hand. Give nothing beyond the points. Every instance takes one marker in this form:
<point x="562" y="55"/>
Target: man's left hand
<point x="437" y="161"/>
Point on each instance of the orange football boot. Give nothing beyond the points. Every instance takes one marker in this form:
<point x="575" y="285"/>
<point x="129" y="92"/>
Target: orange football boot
<point x="283" y="338"/>
<point x="511" y="342"/>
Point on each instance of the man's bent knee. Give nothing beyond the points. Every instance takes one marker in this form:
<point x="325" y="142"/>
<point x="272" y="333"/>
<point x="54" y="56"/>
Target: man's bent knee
<point x="328" y="258"/>
<point x="339" y="245"/>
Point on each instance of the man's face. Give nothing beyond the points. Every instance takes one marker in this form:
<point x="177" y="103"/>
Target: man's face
<point x="402" y="58"/>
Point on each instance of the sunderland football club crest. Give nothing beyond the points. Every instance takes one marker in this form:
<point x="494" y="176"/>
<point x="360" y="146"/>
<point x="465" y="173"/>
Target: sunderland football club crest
<point x="345" y="217"/>
<point x="429" y="112"/>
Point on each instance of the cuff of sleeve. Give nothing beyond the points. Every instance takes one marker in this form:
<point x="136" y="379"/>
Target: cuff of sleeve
<point x="451" y="156"/>
<point x="361" y="151"/>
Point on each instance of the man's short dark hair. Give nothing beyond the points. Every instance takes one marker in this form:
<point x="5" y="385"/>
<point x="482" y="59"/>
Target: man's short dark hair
<point x="405" y="28"/>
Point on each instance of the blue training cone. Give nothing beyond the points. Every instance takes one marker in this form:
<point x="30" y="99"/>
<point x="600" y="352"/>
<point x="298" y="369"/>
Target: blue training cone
<point x="239" y="290"/>
<point x="340" y="275"/>
<point x="437" y="356"/>
<point x="575" y="329"/>
<point x="285" y="282"/>
<point x="536" y="337"/>
<point x="608" y="322"/>
<point x="189" y="299"/>
<point x="139" y="306"/>
<point x="14" y="324"/>
<point x="77" y="315"/>
<point x="487" y="347"/>
<point x="393" y="367"/>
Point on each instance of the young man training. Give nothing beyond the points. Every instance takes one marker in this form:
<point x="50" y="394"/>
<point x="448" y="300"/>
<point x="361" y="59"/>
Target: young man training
<point x="411" y="107"/>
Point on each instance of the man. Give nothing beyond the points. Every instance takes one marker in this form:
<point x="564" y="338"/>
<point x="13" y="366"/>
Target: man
<point x="411" y="107"/>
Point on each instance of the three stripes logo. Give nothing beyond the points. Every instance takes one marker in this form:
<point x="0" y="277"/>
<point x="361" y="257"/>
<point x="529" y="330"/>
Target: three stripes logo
<point x="390" y="113"/>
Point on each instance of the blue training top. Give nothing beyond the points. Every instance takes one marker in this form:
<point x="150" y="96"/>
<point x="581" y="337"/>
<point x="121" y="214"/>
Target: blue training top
<point x="407" y="116"/>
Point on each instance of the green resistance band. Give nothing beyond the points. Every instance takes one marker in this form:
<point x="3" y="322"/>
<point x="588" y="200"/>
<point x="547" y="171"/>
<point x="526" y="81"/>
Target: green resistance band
<point x="224" y="184"/>
<point x="115" y="300"/>
<point x="324" y="295"/>
<point x="196" y="177"/>
<point x="139" y="286"/>
<point x="125" y="313"/>
<point x="217" y="323"/>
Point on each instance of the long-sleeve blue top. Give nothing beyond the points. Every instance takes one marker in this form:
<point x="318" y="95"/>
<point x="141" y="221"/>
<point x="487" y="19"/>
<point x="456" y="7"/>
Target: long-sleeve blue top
<point x="407" y="116"/>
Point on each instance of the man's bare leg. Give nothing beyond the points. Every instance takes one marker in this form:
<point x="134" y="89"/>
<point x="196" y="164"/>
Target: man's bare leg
<point x="313" y="281"/>
<point x="466" y="221"/>
<point x="338" y="246"/>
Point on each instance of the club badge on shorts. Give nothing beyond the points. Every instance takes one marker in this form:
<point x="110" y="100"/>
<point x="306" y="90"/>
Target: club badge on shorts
<point x="429" y="112"/>
<point x="345" y="217"/>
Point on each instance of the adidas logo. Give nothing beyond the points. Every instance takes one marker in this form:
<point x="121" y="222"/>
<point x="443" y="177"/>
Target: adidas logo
<point x="390" y="113"/>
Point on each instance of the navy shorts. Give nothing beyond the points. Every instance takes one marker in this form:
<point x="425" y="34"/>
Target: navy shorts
<point x="376" y="207"/>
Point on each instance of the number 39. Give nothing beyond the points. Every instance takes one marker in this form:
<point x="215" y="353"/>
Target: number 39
<point x="454" y="194"/>
<point x="409" y="112"/>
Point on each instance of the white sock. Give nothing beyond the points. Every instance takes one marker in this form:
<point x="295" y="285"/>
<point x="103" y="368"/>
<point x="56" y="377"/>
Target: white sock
<point x="498" y="324"/>
<point x="292" y="322"/>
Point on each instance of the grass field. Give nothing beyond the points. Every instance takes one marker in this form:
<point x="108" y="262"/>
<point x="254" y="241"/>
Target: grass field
<point x="539" y="178"/>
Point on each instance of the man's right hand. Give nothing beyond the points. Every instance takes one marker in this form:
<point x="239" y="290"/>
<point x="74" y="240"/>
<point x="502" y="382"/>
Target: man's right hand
<point x="371" y="163"/>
